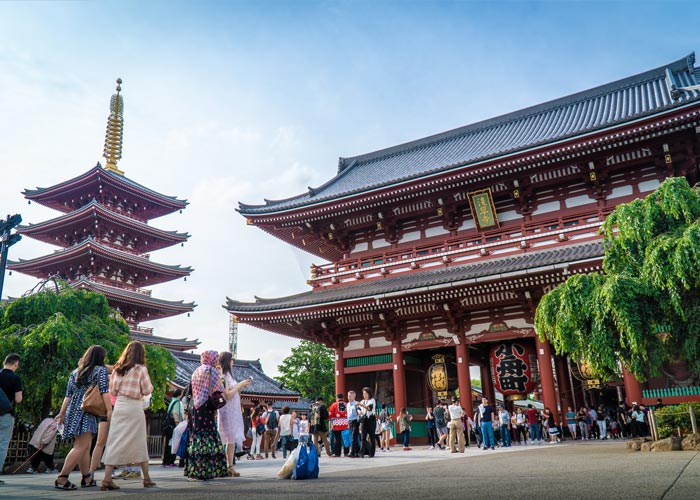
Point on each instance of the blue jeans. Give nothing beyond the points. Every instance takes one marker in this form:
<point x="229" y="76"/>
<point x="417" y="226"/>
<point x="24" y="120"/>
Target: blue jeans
<point x="406" y="438"/>
<point x="505" y="434"/>
<point x="487" y="432"/>
<point x="7" y="422"/>
<point x="284" y="440"/>
<point x="535" y="432"/>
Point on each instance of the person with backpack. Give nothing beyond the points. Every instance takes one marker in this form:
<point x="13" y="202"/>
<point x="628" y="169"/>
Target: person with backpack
<point x="441" y="425"/>
<point x="271" y="419"/>
<point x="173" y="416"/>
<point x="339" y="420"/>
<point x="319" y="430"/>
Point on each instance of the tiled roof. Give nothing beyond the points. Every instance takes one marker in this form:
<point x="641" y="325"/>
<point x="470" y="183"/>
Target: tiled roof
<point x="169" y="343"/>
<point x="263" y="385"/>
<point x="100" y="211"/>
<point x="119" y="179"/>
<point x="520" y="263"/>
<point x="132" y="296"/>
<point x="608" y="105"/>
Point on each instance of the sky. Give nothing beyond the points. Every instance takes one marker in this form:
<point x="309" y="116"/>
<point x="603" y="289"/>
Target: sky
<point x="229" y="101"/>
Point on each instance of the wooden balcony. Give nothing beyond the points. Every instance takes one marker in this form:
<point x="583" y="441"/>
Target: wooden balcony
<point x="454" y="251"/>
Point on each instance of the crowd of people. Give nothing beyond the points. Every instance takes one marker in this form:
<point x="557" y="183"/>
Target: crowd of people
<point x="205" y="428"/>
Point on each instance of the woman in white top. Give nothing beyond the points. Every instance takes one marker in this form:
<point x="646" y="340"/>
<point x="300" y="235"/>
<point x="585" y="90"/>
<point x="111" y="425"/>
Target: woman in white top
<point x="368" y="420"/>
<point x="285" y="429"/>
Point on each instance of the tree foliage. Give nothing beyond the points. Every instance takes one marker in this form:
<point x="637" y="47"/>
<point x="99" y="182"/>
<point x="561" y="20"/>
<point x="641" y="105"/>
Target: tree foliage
<point x="51" y="331"/>
<point x="309" y="370"/>
<point x="650" y="283"/>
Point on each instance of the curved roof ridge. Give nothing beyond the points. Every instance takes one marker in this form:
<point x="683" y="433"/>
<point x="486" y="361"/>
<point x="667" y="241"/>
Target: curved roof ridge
<point x="501" y="120"/>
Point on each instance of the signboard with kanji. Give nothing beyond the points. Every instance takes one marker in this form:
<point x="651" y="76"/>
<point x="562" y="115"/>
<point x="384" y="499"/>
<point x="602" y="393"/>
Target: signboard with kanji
<point x="483" y="209"/>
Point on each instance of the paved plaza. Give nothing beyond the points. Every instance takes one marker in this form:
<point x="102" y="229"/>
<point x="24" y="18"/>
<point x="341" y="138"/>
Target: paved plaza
<point x="569" y="470"/>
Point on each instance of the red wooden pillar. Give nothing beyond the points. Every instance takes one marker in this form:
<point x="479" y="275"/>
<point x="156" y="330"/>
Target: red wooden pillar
<point x="339" y="371"/>
<point x="399" y="376"/>
<point x="463" y="376"/>
<point x="487" y="388"/>
<point x="633" y="390"/>
<point x="565" y="392"/>
<point x="544" y="360"/>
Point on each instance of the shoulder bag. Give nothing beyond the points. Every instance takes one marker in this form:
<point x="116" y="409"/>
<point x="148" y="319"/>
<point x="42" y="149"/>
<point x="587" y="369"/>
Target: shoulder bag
<point x="216" y="400"/>
<point x="93" y="402"/>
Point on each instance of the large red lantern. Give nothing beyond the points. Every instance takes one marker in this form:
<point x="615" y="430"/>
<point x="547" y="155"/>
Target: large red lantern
<point x="512" y="369"/>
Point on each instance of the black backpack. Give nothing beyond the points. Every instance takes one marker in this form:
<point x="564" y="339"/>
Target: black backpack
<point x="167" y="423"/>
<point x="272" y="420"/>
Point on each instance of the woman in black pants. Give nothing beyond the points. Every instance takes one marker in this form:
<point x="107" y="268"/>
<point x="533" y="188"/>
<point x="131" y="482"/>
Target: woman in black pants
<point x="432" y="431"/>
<point x="369" y="422"/>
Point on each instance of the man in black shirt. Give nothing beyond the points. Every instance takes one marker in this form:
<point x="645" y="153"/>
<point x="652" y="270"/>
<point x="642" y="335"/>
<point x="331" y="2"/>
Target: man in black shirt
<point x="11" y="386"/>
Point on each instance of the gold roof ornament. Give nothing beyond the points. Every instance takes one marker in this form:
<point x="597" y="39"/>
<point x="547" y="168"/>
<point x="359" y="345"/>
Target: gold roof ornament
<point x="115" y="131"/>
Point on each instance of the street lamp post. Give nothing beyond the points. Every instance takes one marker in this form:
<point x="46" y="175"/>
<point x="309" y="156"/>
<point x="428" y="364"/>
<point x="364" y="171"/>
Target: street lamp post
<point x="7" y="239"/>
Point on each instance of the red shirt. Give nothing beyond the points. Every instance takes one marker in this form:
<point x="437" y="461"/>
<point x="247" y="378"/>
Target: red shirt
<point x="338" y="416"/>
<point x="532" y="416"/>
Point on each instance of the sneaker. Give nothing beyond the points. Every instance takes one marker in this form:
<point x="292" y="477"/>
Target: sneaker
<point x="494" y="449"/>
<point x="407" y="448"/>
<point x="30" y="471"/>
<point x="51" y="471"/>
<point x="133" y="475"/>
<point x="122" y="475"/>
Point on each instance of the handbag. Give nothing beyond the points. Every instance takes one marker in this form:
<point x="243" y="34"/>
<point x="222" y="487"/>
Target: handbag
<point x="93" y="402"/>
<point x="290" y="444"/>
<point x="216" y="400"/>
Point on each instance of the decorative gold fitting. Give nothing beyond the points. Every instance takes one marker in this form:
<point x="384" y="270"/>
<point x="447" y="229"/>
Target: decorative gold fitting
<point x="592" y="176"/>
<point x="668" y="159"/>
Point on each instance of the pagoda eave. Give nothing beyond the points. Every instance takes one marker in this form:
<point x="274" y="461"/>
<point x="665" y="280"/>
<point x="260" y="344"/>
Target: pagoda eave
<point x="90" y="184"/>
<point x="80" y="258"/>
<point x="85" y="221"/>
<point x="180" y="345"/>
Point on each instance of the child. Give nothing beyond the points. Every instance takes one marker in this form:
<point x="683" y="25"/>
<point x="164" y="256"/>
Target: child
<point x="304" y="430"/>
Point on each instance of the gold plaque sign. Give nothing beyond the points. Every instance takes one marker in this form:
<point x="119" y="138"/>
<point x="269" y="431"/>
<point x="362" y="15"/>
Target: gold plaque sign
<point x="483" y="209"/>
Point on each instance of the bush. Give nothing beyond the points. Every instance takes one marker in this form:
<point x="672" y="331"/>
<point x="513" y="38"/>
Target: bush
<point x="671" y="418"/>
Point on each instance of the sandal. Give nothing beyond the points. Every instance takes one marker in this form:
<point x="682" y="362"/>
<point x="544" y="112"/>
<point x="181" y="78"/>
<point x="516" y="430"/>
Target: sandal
<point x="233" y="473"/>
<point x="87" y="484"/>
<point x="108" y="486"/>
<point x="149" y="484"/>
<point x="65" y="486"/>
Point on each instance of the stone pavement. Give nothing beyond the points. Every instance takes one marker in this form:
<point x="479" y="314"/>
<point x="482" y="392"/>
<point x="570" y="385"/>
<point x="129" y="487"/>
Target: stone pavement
<point x="569" y="470"/>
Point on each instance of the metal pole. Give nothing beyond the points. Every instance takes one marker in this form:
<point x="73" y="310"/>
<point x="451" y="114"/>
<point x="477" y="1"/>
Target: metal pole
<point x="652" y="425"/>
<point x="3" y="255"/>
<point x="693" y="421"/>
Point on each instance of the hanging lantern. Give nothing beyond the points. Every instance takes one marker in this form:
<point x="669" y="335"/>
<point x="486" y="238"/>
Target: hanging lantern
<point x="512" y="369"/>
<point x="442" y="377"/>
<point x="584" y="372"/>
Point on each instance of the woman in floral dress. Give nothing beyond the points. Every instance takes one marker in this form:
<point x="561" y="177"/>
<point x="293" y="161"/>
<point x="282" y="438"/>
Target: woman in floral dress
<point x="79" y="424"/>
<point x="207" y="459"/>
<point x="230" y="416"/>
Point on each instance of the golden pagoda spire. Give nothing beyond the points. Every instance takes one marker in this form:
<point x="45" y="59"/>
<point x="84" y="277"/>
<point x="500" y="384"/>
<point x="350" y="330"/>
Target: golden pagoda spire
<point x="115" y="131"/>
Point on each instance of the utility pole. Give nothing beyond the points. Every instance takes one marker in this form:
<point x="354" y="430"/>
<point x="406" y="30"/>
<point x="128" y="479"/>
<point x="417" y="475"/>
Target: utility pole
<point x="7" y="239"/>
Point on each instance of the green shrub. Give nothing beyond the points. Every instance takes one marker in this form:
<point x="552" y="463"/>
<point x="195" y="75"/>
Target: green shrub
<point x="671" y="418"/>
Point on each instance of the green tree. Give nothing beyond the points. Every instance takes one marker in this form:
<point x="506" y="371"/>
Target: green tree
<point x="309" y="370"/>
<point x="51" y="331"/>
<point x="650" y="284"/>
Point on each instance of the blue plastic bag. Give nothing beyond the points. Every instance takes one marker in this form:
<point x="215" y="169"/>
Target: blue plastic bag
<point x="312" y="462"/>
<point x="347" y="438"/>
<point x="301" y="470"/>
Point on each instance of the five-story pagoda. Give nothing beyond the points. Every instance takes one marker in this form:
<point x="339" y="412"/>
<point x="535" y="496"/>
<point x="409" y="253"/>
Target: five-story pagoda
<point x="106" y="240"/>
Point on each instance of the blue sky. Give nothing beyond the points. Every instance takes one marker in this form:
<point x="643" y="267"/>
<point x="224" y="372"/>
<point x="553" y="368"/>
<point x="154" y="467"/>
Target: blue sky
<point x="240" y="101"/>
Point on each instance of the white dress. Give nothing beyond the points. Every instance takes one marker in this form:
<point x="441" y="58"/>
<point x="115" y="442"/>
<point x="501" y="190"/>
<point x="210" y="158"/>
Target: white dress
<point x="231" y="418"/>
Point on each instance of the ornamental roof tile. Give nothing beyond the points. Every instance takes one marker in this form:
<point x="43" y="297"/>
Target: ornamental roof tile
<point x="263" y="385"/>
<point x="616" y="103"/>
<point x="523" y="263"/>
